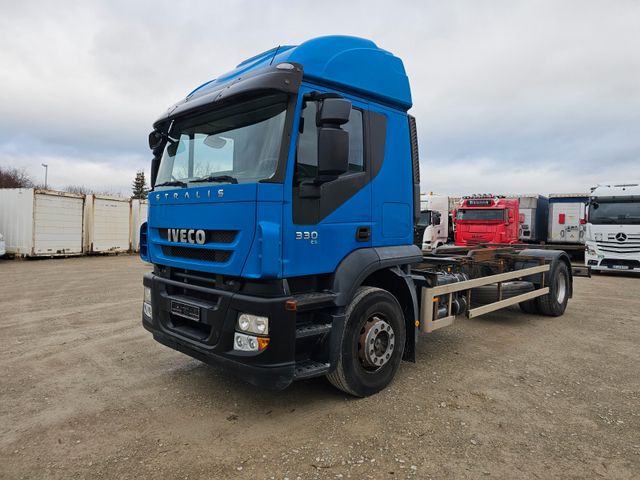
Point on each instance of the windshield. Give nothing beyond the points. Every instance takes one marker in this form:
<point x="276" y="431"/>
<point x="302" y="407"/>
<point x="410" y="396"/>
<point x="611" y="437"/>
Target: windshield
<point x="237" y="144"/>
<point x="425" y="218"/>
<point x="481" y="214"/>
<point x="621" y="213"/>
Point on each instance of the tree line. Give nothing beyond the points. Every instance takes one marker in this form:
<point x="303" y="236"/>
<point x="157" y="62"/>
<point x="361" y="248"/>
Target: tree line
<point x="11" y="177"/>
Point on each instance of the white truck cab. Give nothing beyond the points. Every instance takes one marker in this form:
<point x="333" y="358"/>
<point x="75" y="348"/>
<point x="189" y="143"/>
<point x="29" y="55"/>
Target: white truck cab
<point x="613" y="227"/>
<point x="434" y="214"/>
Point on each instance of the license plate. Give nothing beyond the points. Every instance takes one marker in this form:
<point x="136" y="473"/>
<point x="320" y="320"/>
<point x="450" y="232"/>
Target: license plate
<point x="620" y="267"/>
<point x="185" y="310"/>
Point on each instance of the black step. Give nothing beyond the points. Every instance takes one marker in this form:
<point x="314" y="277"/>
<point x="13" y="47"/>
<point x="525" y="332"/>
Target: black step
<point x="309" y="301"/>
<point x="309" y="369"/>
<point x="312" y="329"/>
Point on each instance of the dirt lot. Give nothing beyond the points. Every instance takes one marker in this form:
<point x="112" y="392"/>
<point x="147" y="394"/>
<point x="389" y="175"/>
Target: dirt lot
<point x="85" y="392"/>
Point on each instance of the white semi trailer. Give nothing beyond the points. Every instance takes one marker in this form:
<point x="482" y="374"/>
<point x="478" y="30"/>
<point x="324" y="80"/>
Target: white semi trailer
<point x="613" y="227"/>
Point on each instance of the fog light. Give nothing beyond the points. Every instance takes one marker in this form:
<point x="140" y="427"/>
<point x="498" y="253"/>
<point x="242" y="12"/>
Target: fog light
<point x="146" y="308"/>
<point x="248" y="343"/>
<point x="253" y="324"/>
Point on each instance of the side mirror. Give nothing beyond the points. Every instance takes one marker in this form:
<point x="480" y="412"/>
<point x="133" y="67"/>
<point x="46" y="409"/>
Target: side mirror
<point x="437" y="218"/>
<point x="333" y="111"/>
<point x="333" y="141"/>
<point x="155" y="139"/>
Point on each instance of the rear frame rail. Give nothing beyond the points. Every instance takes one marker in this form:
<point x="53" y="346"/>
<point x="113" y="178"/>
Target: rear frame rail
<point x="429" y="320"/>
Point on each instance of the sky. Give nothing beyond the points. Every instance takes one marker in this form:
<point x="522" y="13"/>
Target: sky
<point x="510" y="97"/>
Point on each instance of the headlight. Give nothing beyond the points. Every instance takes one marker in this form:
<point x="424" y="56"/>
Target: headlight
<point x="598" y="237"/>
<point x="146" y="304"/>
<point x="249" y="343"/>
<point x="253" y="324"/>
<point x="147" y="295"/>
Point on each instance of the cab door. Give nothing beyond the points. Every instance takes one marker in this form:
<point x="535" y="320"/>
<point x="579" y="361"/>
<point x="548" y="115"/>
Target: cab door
<point x="319" y="232"/>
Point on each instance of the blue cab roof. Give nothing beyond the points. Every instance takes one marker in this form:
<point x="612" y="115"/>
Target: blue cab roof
<point x="347" y="63"/>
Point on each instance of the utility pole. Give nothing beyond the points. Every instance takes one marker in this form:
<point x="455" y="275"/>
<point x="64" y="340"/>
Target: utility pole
<point x="46" y="171"/>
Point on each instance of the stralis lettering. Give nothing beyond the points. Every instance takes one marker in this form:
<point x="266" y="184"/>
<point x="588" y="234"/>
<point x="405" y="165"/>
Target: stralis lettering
<point x="186" y="236"/>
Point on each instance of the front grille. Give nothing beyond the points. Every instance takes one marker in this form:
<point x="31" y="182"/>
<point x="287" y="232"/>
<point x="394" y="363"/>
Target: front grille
<point x="622" y="248"/>
<point x="630" y="245"/>
<point x="211" y="236"/>
<point x="204" y="254"/>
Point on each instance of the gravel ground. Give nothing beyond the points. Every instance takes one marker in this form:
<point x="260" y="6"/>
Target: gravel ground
<point x="85" y="392"/>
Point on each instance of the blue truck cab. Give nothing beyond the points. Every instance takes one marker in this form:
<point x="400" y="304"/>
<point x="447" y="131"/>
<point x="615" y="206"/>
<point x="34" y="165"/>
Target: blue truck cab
<point x="281" y="190"/>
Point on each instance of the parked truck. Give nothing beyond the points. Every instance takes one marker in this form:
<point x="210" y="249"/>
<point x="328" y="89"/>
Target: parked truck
<point x="432" y="228"/>
<point x="280" y="225"/>
<point x="487" y="218"/>
<point x="613" y="227"/>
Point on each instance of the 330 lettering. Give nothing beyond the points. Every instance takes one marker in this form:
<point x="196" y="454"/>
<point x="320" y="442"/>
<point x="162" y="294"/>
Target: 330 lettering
<point x="312" y="236"/>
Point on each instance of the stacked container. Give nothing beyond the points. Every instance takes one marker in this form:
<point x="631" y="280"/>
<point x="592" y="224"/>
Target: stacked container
<point x="139" y="212"/>
<point x="567" y="217"/>
<point x="534" y="210"/>
<point x="41" y="223"/>
<point x="107" y="224"/>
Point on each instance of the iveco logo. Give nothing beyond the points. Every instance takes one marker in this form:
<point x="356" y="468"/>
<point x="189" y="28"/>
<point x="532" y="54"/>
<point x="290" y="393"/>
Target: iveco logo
<point x="186" y="236"/>
<point x="621" y="237"/>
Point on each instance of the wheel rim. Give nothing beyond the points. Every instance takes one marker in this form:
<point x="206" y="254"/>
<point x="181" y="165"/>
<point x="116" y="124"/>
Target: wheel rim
<point x="561" y="288"/>
<point x="376" y="343"/>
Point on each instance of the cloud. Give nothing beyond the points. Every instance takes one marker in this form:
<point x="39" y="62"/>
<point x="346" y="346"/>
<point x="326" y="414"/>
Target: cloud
<point x="520" y="90"/>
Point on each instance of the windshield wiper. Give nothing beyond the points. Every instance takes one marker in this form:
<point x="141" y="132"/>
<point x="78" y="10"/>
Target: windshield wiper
<point x="216" y="178"/>
<point x="172" y="183"/>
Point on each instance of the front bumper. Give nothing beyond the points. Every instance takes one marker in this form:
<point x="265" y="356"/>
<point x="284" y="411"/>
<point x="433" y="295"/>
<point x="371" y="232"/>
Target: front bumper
<point x="211" y="339"/>
<point x="600" y="262"/>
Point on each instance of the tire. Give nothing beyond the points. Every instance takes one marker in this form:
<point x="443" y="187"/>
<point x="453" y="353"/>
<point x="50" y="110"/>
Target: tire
<point x="489" y="293"/>
<point x="374" y="317"/>
<point x="530" y="306"/>
<point x="555" y="302"/>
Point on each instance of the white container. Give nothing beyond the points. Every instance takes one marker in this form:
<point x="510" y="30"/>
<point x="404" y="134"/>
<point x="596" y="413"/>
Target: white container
<point x="107" y="224"/>
<point x="41" y="222"/>
<point x="567" y="217"/>
<point x="139" y="212"/>
<point x="533" y="210"/>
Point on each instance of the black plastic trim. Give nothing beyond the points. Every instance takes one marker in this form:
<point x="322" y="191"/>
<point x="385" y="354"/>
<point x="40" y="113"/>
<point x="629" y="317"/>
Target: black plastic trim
<point x="264" y="80"/>
<point x="361" y="263"/>
<point x="415" y="162"/>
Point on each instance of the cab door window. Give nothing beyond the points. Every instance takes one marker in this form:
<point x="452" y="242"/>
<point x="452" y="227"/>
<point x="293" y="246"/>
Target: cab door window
<point x="307" y="152"/>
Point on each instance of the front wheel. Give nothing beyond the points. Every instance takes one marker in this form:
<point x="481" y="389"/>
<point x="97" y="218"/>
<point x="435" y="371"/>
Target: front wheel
<point x="372" y="344"/>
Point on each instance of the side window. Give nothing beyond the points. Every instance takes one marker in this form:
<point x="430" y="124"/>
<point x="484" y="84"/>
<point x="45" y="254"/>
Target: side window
<point x="307" y="154"/>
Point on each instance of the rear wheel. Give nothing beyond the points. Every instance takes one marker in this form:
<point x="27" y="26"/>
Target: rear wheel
<point x="372" y="344"/>
<point x="555" y="302"/>
<point x="530" y="306"/>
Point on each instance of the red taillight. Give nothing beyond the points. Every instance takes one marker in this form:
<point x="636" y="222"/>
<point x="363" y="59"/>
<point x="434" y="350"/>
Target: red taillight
<point x="561" y="218"/>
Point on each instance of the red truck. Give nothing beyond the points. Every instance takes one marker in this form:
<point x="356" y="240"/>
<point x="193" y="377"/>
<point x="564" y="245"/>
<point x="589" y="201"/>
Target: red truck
<point x="487" y="218"/>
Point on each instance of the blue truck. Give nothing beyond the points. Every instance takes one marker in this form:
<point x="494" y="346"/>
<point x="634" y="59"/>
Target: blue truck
<point x="280" y="226"/>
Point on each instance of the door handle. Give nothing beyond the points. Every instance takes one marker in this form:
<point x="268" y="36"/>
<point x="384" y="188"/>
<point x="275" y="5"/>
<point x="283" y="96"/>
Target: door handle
<point x="363" y="234"/>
